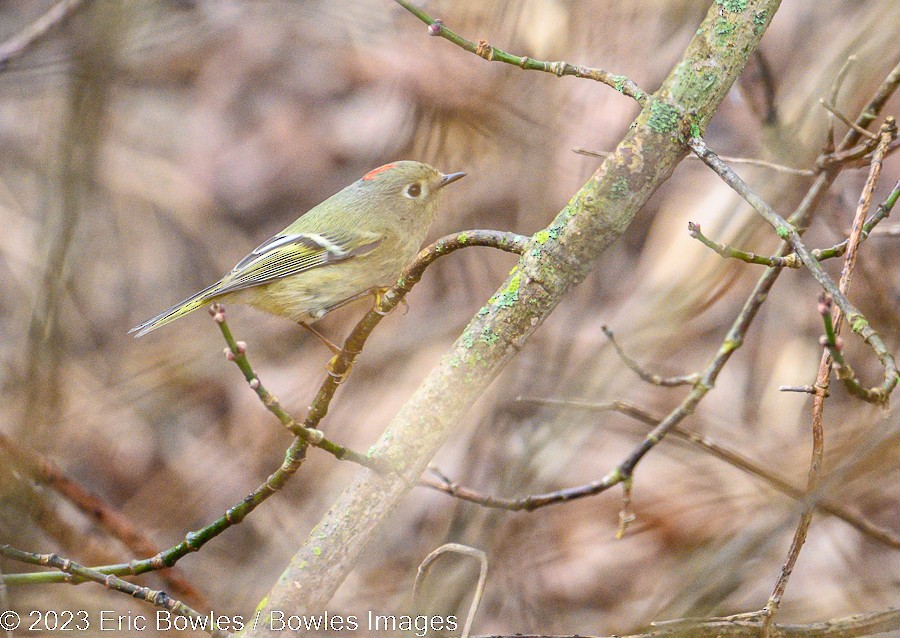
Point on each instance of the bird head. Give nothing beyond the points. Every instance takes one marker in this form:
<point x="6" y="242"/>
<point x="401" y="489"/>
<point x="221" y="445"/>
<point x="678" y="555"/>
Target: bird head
<point x="408" y="189"/>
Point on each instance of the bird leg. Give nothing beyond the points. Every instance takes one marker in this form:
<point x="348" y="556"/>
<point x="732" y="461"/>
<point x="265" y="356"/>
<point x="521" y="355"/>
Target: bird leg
<point x="329" y="368"/>
<point x="331" y="346"/>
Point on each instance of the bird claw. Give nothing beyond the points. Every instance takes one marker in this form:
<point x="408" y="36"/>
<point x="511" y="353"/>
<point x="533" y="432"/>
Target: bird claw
<point x="339" y="377"/>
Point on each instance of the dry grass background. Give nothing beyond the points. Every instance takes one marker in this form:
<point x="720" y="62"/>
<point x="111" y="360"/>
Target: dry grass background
<point x="216" y="123"/>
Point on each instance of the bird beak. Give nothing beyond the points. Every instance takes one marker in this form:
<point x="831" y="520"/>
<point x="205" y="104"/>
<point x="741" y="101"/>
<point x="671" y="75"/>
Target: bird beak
<point x="449" y="179"/>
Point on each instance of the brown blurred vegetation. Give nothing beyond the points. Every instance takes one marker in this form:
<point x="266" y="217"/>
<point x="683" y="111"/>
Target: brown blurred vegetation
<point x="147" y="146"/>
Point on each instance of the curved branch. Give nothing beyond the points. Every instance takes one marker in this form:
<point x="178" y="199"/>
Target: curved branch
<point x="482" y="49"/>
<point x="296" y="453"/>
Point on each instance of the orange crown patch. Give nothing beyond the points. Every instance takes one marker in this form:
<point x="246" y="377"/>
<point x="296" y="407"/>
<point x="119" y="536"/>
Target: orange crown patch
<point x="371" y="174"/>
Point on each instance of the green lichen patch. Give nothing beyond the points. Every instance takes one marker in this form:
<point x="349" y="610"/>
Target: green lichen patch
<point x="510" y="294"/>
<point x="488" y="336"/>
<point x="783" y="232"/>
<point x="759" y="20"/>
<point x="619" y="188"/>
<point x="663" y="117"/>
<point x="723" y="30"/>
<point x="733" y="6"/>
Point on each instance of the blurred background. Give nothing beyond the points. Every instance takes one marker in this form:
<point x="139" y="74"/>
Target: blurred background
<point x="148" y="146"/>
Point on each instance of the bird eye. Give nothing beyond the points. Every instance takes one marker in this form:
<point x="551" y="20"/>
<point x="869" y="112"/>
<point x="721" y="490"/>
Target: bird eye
<point x="413" y="190"/>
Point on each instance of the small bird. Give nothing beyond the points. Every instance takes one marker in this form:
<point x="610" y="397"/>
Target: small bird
<point x="354" y="243"/>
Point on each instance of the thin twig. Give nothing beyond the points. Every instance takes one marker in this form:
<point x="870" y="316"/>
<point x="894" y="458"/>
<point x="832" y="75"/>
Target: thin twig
<point x="653" y="379"/>
<point x="465" y="550"/>
<point x="786" y="231"/>
<point x="296" y="453"/>
<point x="47" y="472"/>
<point x="843" y="118"/>
<point x="832" y="354"/>
<point x="734" y="160"/>
<point x="791" y="260"/>
<point x="850" y="156"/>
<point x="726" y="251"/>
<point x="707" y="445"/>
<point x="19" y="43"/>
<point x="805" y="389"/>
<point x="482" y="49"/>
<point x="882" y="213"/>
<point x="193" y="541"/>
<point x="835" y="89"/>
<point x="237" y="352"/>
<point x="156" y="598"/>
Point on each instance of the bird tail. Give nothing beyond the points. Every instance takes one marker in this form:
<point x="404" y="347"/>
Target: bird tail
<point x="178" y="310"/>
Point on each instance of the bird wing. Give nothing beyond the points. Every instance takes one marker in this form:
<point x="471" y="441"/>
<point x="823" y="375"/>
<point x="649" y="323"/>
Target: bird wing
<point x="292" y="253"/>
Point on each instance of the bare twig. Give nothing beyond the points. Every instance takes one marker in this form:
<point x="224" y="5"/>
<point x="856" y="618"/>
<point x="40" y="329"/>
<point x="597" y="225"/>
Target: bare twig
<point x="734" y="160"/>
<point x="832" y="354"/>
<point x="19" y="43"/>
<point x="835" y="89"/>
<point x="45" y="471"/>
<point x="653" y="379"/>
<point x="882" y="213"/>
<point x="447" y="486"/>
<point x="156" y="598"/>
<point x="791" y="260"/>
<point x="787" y="232"/>
<point x="237" y="352"/>
<point x="482" y="49"/>
<point x="775" y="261"/>
<point x="465" y="550"/>
<point x="193" y="541"/>
<point x="850" y="156"/>
<point x="805" y="389"/>
<point x="296" y="453"/>
<point x="843" y="118"/>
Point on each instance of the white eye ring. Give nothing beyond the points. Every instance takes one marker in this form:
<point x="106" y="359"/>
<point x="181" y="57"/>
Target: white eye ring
<point x="413" y="191"/>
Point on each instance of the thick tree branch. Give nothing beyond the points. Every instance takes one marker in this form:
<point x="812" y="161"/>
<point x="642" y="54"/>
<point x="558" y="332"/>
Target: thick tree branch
<point x="556" y="259"/>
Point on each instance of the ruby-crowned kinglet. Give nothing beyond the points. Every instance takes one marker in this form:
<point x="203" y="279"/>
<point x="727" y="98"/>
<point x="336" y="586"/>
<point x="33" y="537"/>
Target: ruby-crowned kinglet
<point x="357" y="240"/>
